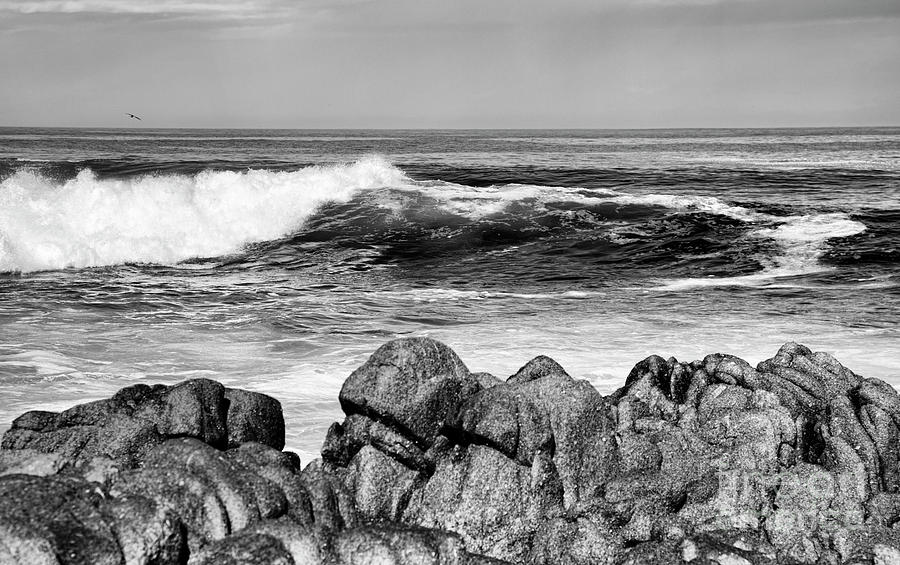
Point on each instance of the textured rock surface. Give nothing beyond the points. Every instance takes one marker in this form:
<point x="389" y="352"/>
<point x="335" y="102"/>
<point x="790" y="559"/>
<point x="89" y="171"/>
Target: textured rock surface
<point x="794" y="461"/>
<point x="139" y="417"/>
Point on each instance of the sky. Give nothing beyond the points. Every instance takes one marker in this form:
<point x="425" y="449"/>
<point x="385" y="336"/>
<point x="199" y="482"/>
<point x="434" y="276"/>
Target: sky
<point x="450" y="64"/>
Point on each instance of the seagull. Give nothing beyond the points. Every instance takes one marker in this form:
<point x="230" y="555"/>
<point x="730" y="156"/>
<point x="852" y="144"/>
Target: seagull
<point x="132" y="116"/>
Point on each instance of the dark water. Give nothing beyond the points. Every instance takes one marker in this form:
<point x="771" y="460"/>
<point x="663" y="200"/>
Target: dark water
<point x="278" y="260"/>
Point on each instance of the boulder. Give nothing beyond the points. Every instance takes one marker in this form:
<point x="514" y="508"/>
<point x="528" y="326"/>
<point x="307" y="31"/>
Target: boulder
<point x="254" y="417"/>
<point x="411" y="385"/>
<point x="124" y="427"/>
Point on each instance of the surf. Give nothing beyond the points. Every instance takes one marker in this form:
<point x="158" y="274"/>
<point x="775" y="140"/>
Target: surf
<point x="86" y="221"/>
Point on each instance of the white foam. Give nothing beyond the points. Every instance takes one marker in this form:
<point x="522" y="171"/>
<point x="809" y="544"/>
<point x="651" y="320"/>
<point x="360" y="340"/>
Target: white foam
<point x="478" y="203"/>
<point x="165" y="219"/>
<point x="445" y="294"/>
<point x="802" y="240"/>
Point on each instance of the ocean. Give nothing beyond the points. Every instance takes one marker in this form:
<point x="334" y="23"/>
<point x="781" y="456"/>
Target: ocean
<point x="278" y="260"/>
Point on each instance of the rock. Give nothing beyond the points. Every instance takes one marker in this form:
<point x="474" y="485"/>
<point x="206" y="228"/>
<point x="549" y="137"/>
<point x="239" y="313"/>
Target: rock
<point x="332" y="504"/>
<point x="243" y="549"/>
<point x="254" y="417"/>
<point x="588" y="540"/>
<point x="126" y="426"/>
<point x="343" y="441"/>
<point x="412" y="385"/>
<point x="246" y="496"/>
<point x="190" y="497"/>
<point x="280" y="468"/>
<point x="538" y="368"/>
<point x="381" y="486"/>
<point x="306" y="545"/>
<point x="31" y="462"/>
<point x="394" y="545"/>
<point x="485" y="497"/>
<point x="146" y="532"/>
<point x="68" y="520"/>
<point x="505" y="419"/>
<point x="796" y="460"/>
<point x="544" y="409"/>
<point x="54" y="519"/>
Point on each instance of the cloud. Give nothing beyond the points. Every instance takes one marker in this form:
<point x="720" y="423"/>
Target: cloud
<point x="178" y="8"/>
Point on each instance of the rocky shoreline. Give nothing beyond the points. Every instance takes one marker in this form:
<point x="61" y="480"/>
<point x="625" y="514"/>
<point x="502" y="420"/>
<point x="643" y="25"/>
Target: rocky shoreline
<point x="796" y="460"/>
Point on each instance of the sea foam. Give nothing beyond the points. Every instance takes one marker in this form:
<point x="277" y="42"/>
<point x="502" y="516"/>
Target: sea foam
<point x="165" y="219"/>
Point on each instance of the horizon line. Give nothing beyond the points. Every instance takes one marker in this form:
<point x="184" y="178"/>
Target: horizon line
<point x="654" y="128"/>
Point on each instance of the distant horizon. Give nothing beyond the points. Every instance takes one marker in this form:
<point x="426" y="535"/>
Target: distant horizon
<point x="251" y="128"/>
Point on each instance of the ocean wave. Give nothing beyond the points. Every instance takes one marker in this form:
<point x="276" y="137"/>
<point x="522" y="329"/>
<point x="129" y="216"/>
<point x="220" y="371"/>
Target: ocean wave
<point x="801" y="241"/>
<point x="165" y="219"/>
<point x="373" y="206"/>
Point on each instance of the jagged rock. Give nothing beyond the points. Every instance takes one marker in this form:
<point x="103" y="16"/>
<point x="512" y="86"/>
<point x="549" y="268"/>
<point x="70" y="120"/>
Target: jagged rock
<point x="579" y="540"/>
<point x="542" y="408"/>
<point x="43" y="519"/>
<point x="505" y="419"/>
<point x="411" y="384"/>
<point x="796" y="460"/>
<point x="139" y="417"/>
<point x="343" y="441"/>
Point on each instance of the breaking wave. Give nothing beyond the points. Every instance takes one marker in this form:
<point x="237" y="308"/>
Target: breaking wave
<point x="165" y="219"/>
<point x="376" y="208"/>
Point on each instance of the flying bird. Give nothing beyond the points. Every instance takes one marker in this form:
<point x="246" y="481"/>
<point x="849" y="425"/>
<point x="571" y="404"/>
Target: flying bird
<point x="132" y="116"/>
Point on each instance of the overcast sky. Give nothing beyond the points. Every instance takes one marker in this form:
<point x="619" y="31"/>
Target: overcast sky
<point x="443" y="63"/>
